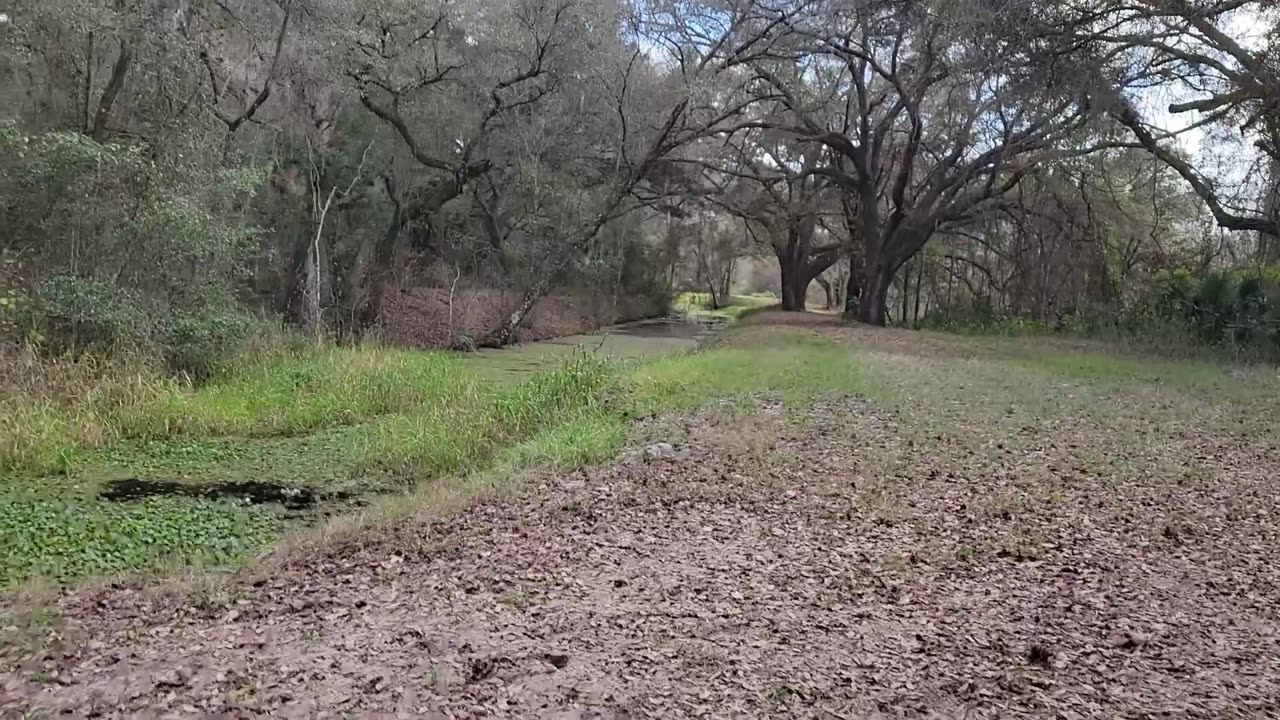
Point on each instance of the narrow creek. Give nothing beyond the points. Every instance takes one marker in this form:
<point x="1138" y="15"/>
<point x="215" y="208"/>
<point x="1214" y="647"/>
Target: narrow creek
<point x="258" y="479"/>
<point x="639" y="340"/>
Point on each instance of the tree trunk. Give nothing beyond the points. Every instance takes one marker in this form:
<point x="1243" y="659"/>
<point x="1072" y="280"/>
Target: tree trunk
<point x="425" y="205"/>
<point x="380" y="271"/>
<point x="826" y="288"/>
<point x="852" y="294"/>
<point x="906" y="291"/>
<point x="506" y="332"/>
<point x="726" y="280"/>
<point x="873" y="306"/>
<point x="795" y="275"/>
<point x="706" y="276"/>
<point x="114" y="84"/>
<point x="88" y="84"/>
<point x="915" y="314"/>
<point x="1269" y="245"/>
<point x="313" y="319"/>
<point x="795" y="286"/>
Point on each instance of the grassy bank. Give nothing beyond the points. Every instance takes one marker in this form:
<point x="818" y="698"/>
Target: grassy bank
<point x="78" y="406"/>
<point x="338" y="423"/>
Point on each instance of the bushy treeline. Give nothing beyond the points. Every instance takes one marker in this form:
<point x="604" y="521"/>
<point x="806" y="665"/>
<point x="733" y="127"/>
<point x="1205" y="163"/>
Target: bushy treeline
<point x="1235" y="309"/>
<point x="1235" y="312"/>
<point x="110" y="248"/>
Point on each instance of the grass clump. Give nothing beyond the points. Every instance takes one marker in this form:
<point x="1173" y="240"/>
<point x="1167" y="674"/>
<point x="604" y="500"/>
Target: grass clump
<point x="581" y="440"/>
<point x="695" y="305"/>
<point x="445" y="438"/>
<point x="289" y="395"/>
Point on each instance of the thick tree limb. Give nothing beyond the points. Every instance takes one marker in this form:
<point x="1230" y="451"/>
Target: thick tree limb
<point x="1225" y="218"/>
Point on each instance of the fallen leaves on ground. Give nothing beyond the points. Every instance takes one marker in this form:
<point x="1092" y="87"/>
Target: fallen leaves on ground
<point x="834" y="567"/>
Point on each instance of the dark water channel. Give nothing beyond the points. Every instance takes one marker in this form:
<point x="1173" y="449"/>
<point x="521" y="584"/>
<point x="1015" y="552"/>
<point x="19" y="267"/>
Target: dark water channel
<point x="295" y="499"/>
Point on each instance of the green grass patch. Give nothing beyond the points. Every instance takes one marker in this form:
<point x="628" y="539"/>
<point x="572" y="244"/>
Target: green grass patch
<point x="70" y="538"/>
<point x="1107" y="366"/>
<point x="324" y="460"/>
<point x="1115" y="368"/>
<point x="448" y="438"/>
<point x="695" y="305"/>
<point x="792" y="366"/>
<point x="58" y="527"/>
<point x="581" y="440"/>
<point x="511" y="365"/>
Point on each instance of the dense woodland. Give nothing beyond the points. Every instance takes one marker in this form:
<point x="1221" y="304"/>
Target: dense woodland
<point x="174" y="171"/>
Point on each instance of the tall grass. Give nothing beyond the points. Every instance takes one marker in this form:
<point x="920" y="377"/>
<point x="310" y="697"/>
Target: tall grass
<point x="440" y="439"/>
<point x="50" y="417"/>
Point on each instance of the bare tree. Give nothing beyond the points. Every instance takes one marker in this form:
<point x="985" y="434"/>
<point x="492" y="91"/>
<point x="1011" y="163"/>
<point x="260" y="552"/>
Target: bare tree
<point x="223" y="93"/>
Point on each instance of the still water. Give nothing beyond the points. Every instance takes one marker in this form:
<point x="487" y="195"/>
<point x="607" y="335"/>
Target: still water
<point x="629" y="341"/>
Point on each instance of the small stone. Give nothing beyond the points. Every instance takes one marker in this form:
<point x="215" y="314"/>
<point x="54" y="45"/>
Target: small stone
<point x="659" y="451"/>
<point x="1131" y="640"/>
<point x="173" y="677"/>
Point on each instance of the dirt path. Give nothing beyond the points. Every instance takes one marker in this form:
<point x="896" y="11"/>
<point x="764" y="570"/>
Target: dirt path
<point x="765" y="569"/>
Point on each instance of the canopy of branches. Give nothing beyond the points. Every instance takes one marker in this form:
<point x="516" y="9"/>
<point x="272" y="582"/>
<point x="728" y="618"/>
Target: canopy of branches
<point x="306" y="156"/>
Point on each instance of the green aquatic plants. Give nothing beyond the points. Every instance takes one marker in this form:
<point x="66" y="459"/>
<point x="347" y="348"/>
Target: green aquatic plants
<point x="69" y="538"/>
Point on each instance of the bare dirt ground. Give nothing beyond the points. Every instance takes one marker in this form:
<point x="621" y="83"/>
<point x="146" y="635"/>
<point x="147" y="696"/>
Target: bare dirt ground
<point x="817" y="562"/>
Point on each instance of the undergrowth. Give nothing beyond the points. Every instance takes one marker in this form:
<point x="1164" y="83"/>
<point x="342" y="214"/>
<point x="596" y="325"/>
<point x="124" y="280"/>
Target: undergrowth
<point x="437" y="419"/>
<point x="448" y="438"/>
<point x="698" y="305"/>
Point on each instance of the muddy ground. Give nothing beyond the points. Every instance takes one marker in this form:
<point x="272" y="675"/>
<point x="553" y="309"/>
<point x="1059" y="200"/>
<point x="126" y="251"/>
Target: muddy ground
<point x="813" y="562"/>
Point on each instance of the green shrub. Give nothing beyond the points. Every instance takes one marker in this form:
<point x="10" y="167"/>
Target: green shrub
<point x="164" y="220"/>
<point x="202" y="344"/>
<point x="1238" y="311"/>
<point x="73" y="315"/>
<point x="981" y="317"/>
